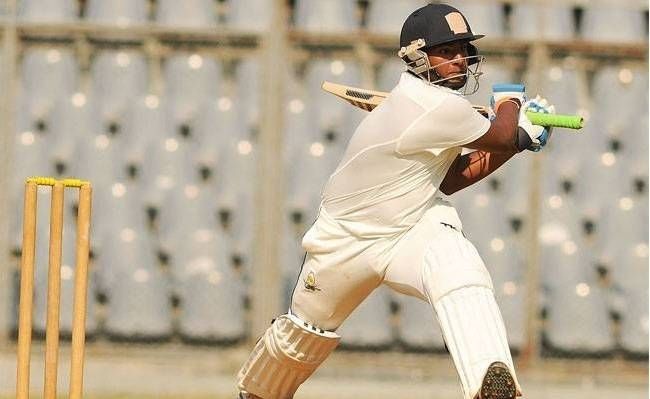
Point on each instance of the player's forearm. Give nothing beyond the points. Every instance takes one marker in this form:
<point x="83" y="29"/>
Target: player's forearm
<point x="503" y="136"/>
<point x="471" y="168"/>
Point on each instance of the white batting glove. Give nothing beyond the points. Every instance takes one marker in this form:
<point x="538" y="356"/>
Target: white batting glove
<point x="501" y="92"/>
<point x="539" y="135"/>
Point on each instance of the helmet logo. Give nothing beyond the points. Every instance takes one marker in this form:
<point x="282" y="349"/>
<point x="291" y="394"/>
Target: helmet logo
<point x="456" y="23"/>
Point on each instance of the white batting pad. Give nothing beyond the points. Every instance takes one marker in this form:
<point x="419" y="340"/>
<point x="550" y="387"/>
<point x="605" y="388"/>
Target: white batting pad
<point x="474" y="333"/>
<point x="287" y="354"/>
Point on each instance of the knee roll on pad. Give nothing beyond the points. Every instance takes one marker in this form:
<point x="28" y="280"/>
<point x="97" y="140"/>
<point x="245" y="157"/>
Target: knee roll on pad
<point x="286" y="355"/>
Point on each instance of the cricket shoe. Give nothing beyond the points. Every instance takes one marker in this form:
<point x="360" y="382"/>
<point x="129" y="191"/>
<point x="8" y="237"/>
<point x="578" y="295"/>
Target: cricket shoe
<point x="498" y="383"/>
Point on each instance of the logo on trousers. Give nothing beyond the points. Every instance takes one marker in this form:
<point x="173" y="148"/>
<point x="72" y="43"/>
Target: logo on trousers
<point x="310" y="282"/>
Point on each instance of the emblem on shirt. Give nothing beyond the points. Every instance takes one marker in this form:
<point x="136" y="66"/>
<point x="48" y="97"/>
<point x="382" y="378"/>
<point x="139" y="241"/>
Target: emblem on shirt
<point x="310" y="282"/>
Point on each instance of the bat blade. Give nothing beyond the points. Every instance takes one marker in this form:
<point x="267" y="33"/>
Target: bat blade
<point x="360" y="98"/>
<point x="364" y="98"/>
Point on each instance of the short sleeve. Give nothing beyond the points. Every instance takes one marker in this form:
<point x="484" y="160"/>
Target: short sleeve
<point x="452" y="123"/>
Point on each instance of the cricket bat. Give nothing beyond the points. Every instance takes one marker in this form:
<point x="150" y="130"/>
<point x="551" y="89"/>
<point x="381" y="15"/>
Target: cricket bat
<point x="369" y="99"/>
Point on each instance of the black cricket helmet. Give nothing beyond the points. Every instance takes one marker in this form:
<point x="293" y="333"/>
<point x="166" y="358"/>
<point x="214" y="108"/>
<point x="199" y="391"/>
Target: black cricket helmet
<point x="433" y="25"/>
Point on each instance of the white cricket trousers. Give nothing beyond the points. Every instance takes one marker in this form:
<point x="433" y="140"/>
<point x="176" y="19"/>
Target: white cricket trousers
<point x="433" y="261"/>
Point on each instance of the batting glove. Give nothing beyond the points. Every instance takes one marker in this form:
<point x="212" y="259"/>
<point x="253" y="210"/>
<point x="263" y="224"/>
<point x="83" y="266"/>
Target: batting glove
<point x="539" y="135"/>
<point x="502" y="92"/>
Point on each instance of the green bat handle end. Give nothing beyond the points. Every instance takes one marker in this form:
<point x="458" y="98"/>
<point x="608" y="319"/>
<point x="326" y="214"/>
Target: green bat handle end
<point x="553" y="120"/>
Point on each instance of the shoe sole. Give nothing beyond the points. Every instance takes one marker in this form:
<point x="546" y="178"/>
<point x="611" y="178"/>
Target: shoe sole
<point x="498" y="383"/>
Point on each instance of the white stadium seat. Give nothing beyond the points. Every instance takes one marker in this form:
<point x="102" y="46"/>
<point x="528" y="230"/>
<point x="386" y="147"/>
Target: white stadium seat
<point x="117" y="78"/>
<point x="137" y="291"/>
<point x="191" y="80"/>
<point x="71" y="120"/>
<point x="48" y="10"/>
<point x="187" y="14"/>
<point x="119" y="12"/>
<point x="504" y="258"/>
<point x="167" y="166"/>
<point x="330" y="112"/>
<point x="578" y="315"/>
<point x="326" y="15"/>
<point x="291" y="256"/>
<point x="418" y="328"/>
<point x="548" y="21"/>
<point x="390" y="73"/>
<point x="249" y="91"/>
<point x="369" y="325"/>
<point x="494" y="71"/>
<point x="485" y="18"/>
<point x="388" y="16"/>
<point x="250" y="15"/>
<point x="144" y="122"/>
<point x="47" y="74"/>
<point x="211" y="294"/>
<point x="622" y="23"/>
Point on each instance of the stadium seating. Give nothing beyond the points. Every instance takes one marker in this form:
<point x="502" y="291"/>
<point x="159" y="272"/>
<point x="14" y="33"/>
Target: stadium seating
<point x="218" y="126"/>
<point x="71" y="120"/>
<point x="187" y="14"/>
<point x="144" y="122"/>
<point x="630" y="275"/>
<point x="167" y="165"/>
<point x="388" y="16"/>
<point x="614" y="23"/>
<point x="210" y="292"/>
<point x="46" y="75"/>
<point x="117" y="78"/>
<point x="297" y="142"/>
<point x="548" y="21"/>
<point x="250" y="15"/>
<point x="248" y="93"/>
<point x="137" y="291"/>
<point x="619" y="94"/>
<point x="418" y="328"/>
<point x="577" y="309"/>
<point x="504" y="259"/>
<point x="578" y="316"/>
<point x="48" y="10"/>
<point x="236" y="199"/>
<point x="329" y="16"/>
<point x="121" y="12"/>
<point x="331" y="113"/>
<point x="291" y="257"/>
<point x="390" y="73"/>
<point x="368" y="327"/>
<point x="319" y="148"/>
<point x="191" y="80"/>
<point x="485" y="18"/>
<point x="494" y="71"/>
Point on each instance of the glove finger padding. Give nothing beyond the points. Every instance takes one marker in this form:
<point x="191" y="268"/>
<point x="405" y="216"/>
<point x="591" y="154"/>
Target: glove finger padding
<point x="539" y="134"/>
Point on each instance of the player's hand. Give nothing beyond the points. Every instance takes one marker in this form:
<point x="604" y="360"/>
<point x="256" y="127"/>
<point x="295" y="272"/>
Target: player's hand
<point x="539" y="135"/>
<point x="502" y="92"/>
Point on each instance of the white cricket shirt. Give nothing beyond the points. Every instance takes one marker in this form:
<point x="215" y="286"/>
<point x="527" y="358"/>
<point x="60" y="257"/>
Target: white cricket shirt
<point x="393" y="165"/>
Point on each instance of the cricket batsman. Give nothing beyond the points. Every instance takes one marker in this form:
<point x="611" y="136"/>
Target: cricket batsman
<point x="383" y="220"/>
